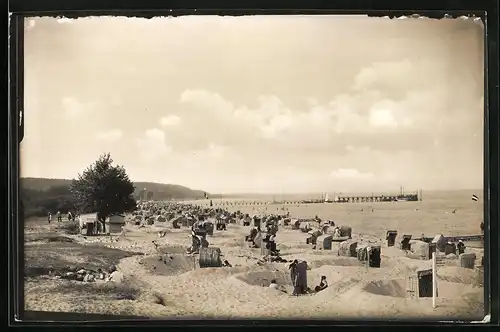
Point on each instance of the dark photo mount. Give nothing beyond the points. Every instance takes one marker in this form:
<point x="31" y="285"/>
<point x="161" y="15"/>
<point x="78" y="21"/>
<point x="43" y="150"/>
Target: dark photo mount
<point x="487" y="10"/>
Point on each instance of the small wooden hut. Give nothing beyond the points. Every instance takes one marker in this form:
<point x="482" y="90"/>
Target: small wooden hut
<point x="438" y="242"/>
<point x="420" y="284"/>
<point x="391" y="238"/>
<point x="301" y="270"/>
<point x="210" y="257"/>
<point x="258" y="239"/>
<point x="403" y="242"/>
<point x="422" y="249"/>
<point x="137" y="220"/>
<point x="304" y="227"/>
<point x="314" y="234"/>
<point x="450" y="248"/>
<point x="160" y="218"/>
<point x="176" y="222"/>
<point x="348" y="248"/>
<point x="251" y="236"/>
<point x="209" y="227"/>
<point x="115" y="223"/>
<point x="467" y="261"/>
<point x="346" y="231"/>
<point x="324" y="242"/>
<point x="370" y="254"/>
<point x="324" y="229"/>
<point x="150" y="220"/>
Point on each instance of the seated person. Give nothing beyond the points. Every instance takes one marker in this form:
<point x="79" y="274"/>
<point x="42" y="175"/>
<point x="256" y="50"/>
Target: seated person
<point x="322" y="285"/>
<point x="273" y="284"/>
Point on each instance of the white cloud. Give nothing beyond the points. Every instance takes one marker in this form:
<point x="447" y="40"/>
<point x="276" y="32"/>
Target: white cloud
<point x="112" y="135"/>
<point x="216" y="151"/>
<point x="350" y="173"/>
<point x="152" y="145"/>
<point x="382" y="118"/>
<point x="384" y="73"/>
<point x="170" y="120"/>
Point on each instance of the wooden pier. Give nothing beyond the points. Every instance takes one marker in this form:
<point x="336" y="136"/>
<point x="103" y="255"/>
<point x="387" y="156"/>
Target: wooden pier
<point x="377" y="198"/>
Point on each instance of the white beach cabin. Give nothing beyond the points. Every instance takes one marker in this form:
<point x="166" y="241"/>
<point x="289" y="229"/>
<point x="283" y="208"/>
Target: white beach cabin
<point x="115" y="223"/>
<point x="85" y="219"/>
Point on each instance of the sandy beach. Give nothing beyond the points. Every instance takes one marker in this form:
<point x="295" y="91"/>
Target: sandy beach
<point x="166" y="282"/>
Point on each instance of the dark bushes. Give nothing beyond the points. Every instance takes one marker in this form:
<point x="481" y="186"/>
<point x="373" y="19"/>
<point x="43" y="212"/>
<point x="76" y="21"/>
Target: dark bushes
<point x="38" y="203"/>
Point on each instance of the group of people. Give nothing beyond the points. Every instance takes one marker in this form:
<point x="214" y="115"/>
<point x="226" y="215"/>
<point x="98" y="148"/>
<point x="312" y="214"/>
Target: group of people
<point x="299" y="280"/>
<point x="71" y="216"/>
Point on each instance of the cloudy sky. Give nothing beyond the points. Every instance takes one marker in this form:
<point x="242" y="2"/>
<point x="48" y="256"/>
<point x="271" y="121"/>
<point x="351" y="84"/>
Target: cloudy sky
<point x="258" y="103"/>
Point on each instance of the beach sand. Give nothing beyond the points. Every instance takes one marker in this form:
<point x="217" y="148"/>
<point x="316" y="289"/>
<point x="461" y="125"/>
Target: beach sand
<point x="178" y="288"/>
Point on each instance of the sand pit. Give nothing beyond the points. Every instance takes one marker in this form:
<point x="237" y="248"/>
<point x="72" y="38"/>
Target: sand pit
<point x="167" y="250"/>
<point x="168" y="265"/>
<point x="263" y="278"/>
<point x="393" y="288"/>
<point x="334" y="262"/>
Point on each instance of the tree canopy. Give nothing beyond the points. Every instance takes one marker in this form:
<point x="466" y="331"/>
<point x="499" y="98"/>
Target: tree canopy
<point x="103" y="188"/>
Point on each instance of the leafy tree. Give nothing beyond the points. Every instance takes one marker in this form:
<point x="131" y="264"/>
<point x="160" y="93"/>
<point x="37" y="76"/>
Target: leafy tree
<point x="103" y="188"/>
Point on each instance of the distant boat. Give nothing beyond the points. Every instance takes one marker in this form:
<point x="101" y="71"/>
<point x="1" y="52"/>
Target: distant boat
<point x="475" y="198"/>
<point x="328" y="200"/>
<point x="401" y="199"/>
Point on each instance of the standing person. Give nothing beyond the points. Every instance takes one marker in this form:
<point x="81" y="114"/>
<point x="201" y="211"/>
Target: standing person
<point x="272" y="244"/>
<point x="461" y="247"/>
<point x="70" y="216"/>
<point x="293" y="276"/>
<point x="49" y="217"/>
<point x="59" y="218"/>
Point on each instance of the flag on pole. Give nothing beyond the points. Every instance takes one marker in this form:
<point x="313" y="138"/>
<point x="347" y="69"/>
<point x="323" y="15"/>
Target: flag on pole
<point x="475" y="198"/>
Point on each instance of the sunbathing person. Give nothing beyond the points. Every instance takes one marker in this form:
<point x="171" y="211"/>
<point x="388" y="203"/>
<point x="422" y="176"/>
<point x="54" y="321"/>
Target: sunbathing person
<point x="322" y="285"/>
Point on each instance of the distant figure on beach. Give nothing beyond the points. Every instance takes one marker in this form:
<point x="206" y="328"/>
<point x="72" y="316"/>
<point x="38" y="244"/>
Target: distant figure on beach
<point x="460" y="247"/>
<point x="322" y="285"/>
<point x="70" y="216"/>
<point x="49" y="217"/>
<point x="59" y="218"/>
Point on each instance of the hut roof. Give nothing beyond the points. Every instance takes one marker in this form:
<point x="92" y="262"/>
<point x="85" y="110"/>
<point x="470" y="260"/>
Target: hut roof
<point x="438" y="238"/>
<point x="347" y="243"/>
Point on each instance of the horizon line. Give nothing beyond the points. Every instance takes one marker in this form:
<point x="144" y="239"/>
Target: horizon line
<point x="278" y="193"/>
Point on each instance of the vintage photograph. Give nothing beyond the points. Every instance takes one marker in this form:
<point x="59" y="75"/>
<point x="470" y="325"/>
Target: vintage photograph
<point x="254" y="167"/>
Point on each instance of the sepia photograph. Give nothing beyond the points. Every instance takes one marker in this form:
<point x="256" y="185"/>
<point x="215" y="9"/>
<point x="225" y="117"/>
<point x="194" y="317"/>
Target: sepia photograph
<point x="254" y="167"/>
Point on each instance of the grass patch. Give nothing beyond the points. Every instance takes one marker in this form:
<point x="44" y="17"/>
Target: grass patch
<point x="108" y="290"/>
<point x="64" y="256"/>
<point x="46" y="238"/>
<point x="69" y="227"/>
